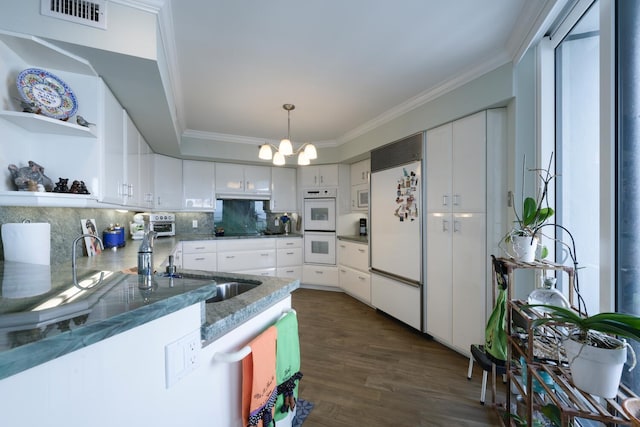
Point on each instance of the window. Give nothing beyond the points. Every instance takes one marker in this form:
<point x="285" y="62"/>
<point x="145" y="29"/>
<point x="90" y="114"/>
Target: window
<point x="577" y="148"/>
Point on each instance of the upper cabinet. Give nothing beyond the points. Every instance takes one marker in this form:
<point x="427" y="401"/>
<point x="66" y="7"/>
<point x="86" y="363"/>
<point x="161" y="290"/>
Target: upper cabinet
<point x="283" y="193"/>
<point x="198" y="185"/>
<point x="455" y="169"/>
<point x="318" y="176"/>
<point x="242" y="181"/>
<point x="167" y="177"/>
<point x="360" y="172"/>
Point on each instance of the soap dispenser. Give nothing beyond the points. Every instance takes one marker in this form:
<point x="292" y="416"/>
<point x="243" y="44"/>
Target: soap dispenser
<point x="145" y="257"/>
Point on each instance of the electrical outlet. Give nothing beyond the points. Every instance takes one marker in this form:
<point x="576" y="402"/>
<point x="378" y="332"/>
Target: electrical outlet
<point x="194" y="223"/>
<point x="182" y="357"/>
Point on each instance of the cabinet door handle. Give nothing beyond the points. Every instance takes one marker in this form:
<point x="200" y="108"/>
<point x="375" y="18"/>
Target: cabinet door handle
<point x="342" y="246"/>
<point x="445" y="225"/>
<point x="456" y="226"/>
<point x="319" y="272"/>
<point x="264" y="254"/>
<point x="445" y="200"/>
<point x="289" y="253"/>
<point x="230" y="256"/>
<point x="200" y="259"/>
<point x="456" y="199"/>
<point x="362" y="278"/>
<point x="321" y="179"/>
<point x="361" y="251"/>
<point x="199" y="248"/>
<point x="343" y="271"/>
<point x="289" y="243"/>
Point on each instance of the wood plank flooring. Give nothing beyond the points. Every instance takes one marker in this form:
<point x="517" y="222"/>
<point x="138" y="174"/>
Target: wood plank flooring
<point x="362" y="368"/>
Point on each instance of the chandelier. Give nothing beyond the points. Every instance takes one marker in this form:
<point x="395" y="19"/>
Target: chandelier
<point x="305" y="153"/>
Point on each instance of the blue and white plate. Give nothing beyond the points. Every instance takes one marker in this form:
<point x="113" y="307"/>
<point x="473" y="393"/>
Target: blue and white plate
<point x="48" y="91"/>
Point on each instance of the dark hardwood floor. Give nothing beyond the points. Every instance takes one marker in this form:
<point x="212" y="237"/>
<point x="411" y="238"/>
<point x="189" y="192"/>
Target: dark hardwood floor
<point x="362" y="368"/>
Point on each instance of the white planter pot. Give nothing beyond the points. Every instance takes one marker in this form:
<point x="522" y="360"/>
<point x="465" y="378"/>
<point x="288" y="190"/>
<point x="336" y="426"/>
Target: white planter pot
<point x="523" y="248"/>
<point x="596" y="370"/>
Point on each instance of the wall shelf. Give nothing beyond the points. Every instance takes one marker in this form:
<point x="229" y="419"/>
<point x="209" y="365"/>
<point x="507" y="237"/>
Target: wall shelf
<point x="37" y="123"/>
<point x="33" y="198"/>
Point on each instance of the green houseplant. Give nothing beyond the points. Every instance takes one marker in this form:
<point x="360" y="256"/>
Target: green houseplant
<point x="595" y="355"/>
<point x="524" y="237"/>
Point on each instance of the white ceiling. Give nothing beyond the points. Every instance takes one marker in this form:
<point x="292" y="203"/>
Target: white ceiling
<point x="342" y="63"/>
<point x="347" y="65"/>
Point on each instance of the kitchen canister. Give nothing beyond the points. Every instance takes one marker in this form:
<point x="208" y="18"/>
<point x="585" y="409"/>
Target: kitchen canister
<point x="28" y="242"/>
<point x="110" y="238"/>
<point x="121" y="235"/>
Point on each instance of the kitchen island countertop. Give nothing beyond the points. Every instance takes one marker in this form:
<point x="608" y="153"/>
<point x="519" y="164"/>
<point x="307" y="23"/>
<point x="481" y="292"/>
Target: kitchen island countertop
<point x="32" y="333"/>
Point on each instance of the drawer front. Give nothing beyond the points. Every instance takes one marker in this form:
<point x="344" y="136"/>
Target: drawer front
<point x="290" y="272"/>
<point x="355" y="283"/>
<point x="246" y="244"/>
<point x="289" y="257"/>
<point x="202" y="261"/>
<point x="288" y="242"/>
<point x="199" y="246"/>
<point x="246" y="260"/>
<point x="353" y="255"/>
<point x="320" y="275"/>
<point x="268" y="272"/>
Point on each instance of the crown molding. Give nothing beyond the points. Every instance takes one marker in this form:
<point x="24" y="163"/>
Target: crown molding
<point x="425" y="97"/>
<point x="249" y="140"/>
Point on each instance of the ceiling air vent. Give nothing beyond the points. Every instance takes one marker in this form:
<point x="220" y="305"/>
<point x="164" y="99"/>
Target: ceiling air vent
<point x="92" y="13"/>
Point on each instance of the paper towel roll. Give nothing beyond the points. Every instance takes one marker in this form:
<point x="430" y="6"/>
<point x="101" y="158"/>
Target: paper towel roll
<point x="28" y="242"/>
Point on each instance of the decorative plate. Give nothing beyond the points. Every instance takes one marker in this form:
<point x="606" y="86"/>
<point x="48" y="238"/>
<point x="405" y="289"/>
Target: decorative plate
<point x="48" y="92"/>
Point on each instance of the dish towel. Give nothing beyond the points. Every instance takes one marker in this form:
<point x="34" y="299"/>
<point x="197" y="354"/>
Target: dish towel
<point x="287" y="364"/>
<point x="259" y="380"/>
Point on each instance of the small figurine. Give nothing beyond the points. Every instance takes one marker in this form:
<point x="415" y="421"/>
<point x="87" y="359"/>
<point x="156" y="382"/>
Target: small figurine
<point x="78" y="187"/>
<point x="33" y="172"/>
<point x="61" y="186"/>
<point x="82" y="122"/>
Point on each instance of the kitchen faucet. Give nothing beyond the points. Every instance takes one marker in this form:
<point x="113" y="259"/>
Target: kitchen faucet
<point x="73" y="259"/>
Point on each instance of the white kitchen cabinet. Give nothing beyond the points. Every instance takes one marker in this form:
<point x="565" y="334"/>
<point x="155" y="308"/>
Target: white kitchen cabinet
<point x="250" y="256"/>
<point x="320" y="276"/>
<point x="283" y="190"/>
<point x="145" y="163"/>
<point x="360" y="172"/>
<point x="198" y="185"/>
<point x="200" y="255"/>
<point x="167" y="173"/>
<point x="242" y="181"/>
<point x="318" y="176"/>
<point x="456" y="165"/>
<point x="113" y="156"/>
<point x="464" y="166"/>
<point x="353" y="270"/>
<point x="289" y="257"/>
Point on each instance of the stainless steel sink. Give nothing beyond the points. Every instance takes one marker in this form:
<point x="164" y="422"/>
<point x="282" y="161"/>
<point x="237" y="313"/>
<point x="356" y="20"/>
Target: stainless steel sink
<point x="230" y="290"/>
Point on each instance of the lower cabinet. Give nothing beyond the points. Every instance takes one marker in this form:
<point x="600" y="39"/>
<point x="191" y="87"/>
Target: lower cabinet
<point x="353" y="270"/>
<point x="199" y="255"/>
<point x="248" y="256"/>
<point x="280" y="257"/>
<point x="320" y="275"/>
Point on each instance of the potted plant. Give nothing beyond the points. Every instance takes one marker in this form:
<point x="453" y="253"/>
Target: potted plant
<point x="524" y="237"/>
<point x="595" y="355"/>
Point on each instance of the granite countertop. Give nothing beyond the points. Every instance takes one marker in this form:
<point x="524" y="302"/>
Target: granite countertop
<point x="354" y="238"/>
<point x="54" y="317"/>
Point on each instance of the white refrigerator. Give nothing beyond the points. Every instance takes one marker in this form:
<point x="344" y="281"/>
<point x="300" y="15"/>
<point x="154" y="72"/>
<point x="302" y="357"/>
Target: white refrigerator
<point x="396" y="243"/>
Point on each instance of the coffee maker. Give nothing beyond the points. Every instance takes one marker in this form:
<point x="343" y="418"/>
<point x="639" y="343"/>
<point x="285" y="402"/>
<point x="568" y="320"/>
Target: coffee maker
<point x="363" y="226"/>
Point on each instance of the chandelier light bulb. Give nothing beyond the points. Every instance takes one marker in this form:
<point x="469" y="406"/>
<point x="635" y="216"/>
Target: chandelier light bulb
<point x="303" y="160"/>
<point x="278" y="159"/>
<point x="310" y="152"/>
<point x="265" y="152"/>
<point x="285" y="147"/>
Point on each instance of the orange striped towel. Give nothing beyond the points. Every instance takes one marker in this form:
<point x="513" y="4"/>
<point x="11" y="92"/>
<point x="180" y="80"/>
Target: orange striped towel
<point x="259" y="388"/>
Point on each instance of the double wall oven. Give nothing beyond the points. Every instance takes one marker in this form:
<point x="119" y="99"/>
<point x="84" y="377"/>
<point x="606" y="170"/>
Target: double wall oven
<point x="320" y="226"/>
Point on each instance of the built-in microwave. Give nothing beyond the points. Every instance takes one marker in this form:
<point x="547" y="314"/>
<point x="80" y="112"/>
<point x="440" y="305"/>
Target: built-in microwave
<point x="362" y="197"/>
